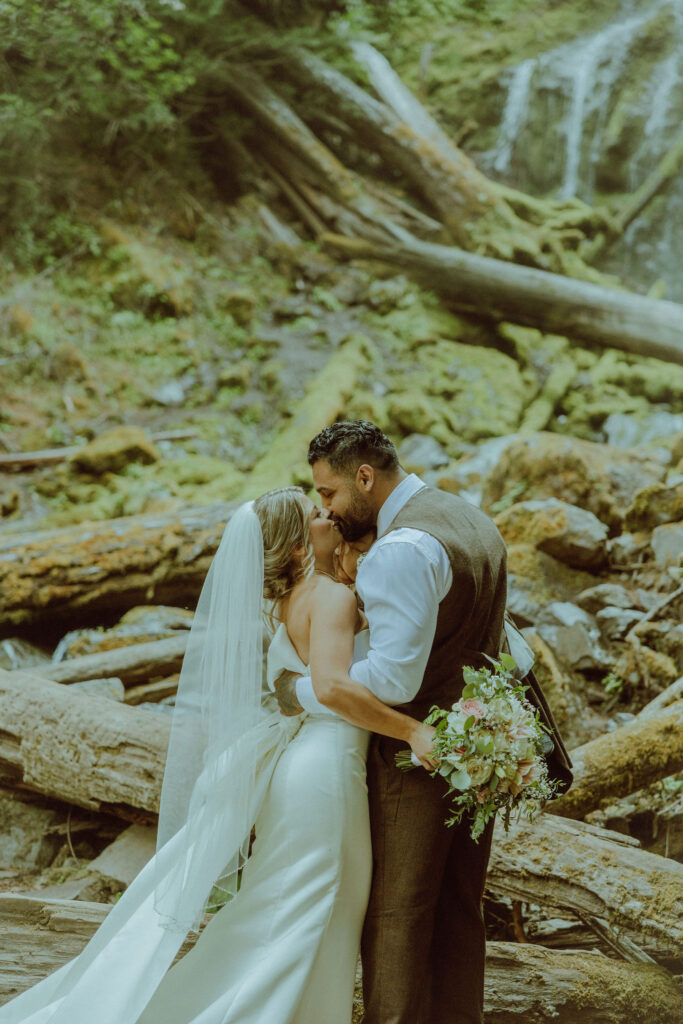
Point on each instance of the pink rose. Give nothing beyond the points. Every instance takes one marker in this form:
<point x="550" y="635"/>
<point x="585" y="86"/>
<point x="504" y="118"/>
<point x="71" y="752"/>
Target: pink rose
<point x="471" y="706"/>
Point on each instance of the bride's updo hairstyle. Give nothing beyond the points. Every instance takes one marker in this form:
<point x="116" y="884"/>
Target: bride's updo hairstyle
<point x="284" y="524"/>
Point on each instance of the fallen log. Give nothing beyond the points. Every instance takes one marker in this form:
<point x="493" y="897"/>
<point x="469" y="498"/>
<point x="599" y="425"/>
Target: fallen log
<point x="663" y="700"/>
<point x="594" y="874"/>
<point x="524" y="983"/>
<point x="69" y="575"/>
<point x="133" y="665"/>
<point x="152" y="692"/>
<point x="550" y="302"/>
<point x="87" y="750"/>
<point x="50" y="456"/>
<point x="619" y="763"/>
<point x="324" y="400"/>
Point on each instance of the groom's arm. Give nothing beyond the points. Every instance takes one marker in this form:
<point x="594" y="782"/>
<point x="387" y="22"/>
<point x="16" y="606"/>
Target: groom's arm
<point x="404" y="578"/>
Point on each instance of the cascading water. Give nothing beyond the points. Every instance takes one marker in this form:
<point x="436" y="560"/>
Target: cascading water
<point x="592" y="118"/>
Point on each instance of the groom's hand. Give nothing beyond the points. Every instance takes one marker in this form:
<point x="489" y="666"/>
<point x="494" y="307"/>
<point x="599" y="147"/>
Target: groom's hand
<point x="285" y="691"/>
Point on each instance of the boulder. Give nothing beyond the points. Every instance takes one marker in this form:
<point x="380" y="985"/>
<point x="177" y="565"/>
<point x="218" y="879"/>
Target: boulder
<point x="604" y="595"/>
<point x="667" y="544"/>
<point x="599" y="478"/>
<point x="573" y="636"/>
<point x="628" y="550"/>
<point x="615" y="623"/>
<point x="571" y="534"/>
<point x="113" y="450"/>
<point x="624" y="431"/>
<point x="536" y="579"/>
<point x="420" y="452"/>
<point x="654" y="506"/>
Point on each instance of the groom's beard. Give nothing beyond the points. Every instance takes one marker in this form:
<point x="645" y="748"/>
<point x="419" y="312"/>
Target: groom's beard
<point x="358" y="520"/>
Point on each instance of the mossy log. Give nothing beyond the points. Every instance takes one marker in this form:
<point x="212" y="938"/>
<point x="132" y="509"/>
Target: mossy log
<point x="591" y="872"/>
<point x="621" y="762"/>
<point x="524" y="295"/>
<point x="524" y="983"/>
<point x="86" y="750"/>
<point x="133" y="665"/>
<point x="77" y="574"/>
<point x="324" y="399"/>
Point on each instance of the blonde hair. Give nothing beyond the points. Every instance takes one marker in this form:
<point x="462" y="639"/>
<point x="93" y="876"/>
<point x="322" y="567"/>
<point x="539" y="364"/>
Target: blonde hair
<point x="284" y="524"/>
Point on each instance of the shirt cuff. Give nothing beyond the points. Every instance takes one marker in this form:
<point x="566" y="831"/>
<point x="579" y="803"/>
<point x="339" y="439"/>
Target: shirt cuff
<point x="307" y="698"/>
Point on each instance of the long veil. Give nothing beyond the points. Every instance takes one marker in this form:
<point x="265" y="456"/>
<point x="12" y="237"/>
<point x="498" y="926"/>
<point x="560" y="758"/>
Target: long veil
<point x="226" y="738"/>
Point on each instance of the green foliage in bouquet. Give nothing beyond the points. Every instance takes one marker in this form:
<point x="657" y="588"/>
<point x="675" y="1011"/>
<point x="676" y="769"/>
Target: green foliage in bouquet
<point x="490" y="747"/>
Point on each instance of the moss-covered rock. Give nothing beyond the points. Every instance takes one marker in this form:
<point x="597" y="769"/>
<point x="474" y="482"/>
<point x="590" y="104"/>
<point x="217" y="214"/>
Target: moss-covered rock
<point x="113" y="450"/>
<point x="596" y="477"/>
<point x="655" y="505"/>
<point x="572" y="535"/>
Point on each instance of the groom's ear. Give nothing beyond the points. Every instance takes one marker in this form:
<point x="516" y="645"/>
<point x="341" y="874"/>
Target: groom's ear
<point x="365" y="478"/>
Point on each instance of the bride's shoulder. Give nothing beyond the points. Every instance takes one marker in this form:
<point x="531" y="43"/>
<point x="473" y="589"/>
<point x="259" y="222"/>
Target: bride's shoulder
<point x="333" y="597"/>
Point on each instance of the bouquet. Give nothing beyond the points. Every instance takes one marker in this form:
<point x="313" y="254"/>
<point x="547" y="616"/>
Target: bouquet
<point x="489" y="748"/>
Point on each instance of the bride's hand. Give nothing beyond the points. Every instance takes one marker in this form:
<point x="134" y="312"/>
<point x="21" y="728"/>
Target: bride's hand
<point x="421" y="742"/>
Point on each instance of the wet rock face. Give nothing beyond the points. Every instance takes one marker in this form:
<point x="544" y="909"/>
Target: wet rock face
<point x="595" y="477"/>
<point x="570" y="534"/>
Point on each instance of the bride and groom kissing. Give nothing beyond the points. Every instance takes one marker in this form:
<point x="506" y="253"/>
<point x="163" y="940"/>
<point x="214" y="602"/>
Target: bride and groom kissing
<point x="284" y="794"/>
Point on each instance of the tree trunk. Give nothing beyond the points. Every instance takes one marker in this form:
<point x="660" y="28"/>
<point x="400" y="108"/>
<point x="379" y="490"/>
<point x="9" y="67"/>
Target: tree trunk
<point x="69" y="575"/>
<point x="619" y="763"/>
<point x="133" y="665"/>
<point x="524" y="983"/>
<point x="504" y="291"/>
<point x="592" y="873"/>
<point x="87" y="750"/>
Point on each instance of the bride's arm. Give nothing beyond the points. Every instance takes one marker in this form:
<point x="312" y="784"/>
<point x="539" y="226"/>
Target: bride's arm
<point x="331" y="651"/>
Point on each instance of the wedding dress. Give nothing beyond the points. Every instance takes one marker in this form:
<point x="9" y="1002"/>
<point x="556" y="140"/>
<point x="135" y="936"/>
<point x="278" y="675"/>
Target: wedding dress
<point x="284" y="949"/>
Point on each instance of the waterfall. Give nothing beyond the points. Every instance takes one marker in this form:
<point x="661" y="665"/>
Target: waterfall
<point x="599" y="112"/>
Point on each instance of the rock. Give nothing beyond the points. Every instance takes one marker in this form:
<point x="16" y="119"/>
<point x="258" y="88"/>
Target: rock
<point x="667" y="544"/>
<point x="113" y="450"/>
<point x="9" y="501"/>
<point x="595" y="477"/>
<point x="654" y="506"/>
<point x="389" y="294"/>
<point x="419" y="452"/>
<point x="627" y="550"/>
<point x="468" y="473"/>
<point x="17" y="653"/>
<point x="26" y="836"/>
<point x="123" y="859"/>
<point x="536" y="579"/>
<point x="171" y="394"/>
<point x="573" y="636"/>
<point x="240" y="303"/>
<point x="615" y="623"/>
<point x="570" y="534"/>
<point x="111" y="688"/>
<point x="607" y="594"/>
<point x="624" y="431"/>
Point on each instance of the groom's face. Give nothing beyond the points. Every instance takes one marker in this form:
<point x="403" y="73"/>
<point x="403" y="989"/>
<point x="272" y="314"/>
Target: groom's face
<point x="345" y="499"/>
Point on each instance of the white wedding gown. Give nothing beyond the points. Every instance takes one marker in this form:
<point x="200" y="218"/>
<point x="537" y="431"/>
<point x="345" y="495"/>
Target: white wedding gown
<point x="284" y="950"/>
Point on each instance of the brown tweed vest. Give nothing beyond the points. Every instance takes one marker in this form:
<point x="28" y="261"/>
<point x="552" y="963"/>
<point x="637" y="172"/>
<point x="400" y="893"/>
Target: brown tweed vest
<point x="470" y="619"/>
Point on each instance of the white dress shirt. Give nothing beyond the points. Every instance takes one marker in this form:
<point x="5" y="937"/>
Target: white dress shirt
<point x="401" y="581"/>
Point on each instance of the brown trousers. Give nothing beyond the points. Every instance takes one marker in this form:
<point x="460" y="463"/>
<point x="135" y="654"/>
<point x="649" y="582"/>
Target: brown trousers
<point x="423" y="946"/>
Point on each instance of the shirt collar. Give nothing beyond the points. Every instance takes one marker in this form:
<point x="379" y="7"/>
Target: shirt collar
<point x="396" y="500"/>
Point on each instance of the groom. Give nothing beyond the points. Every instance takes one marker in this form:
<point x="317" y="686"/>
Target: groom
<point x="434" y="588"/>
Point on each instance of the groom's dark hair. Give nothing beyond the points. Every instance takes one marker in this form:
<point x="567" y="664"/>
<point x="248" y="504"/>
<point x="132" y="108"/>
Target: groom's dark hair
<point x="349" y="444"/>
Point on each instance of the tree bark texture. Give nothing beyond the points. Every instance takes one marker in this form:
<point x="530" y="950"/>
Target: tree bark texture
<point x="133" y="665"/>
<point x="76" y="573"/>
<point x="550" y="302"/>
<point x="592" y="872"/>
<point x="524" y="983"/>
<point x="619" y="763"/>
<point x="87" y="750"/>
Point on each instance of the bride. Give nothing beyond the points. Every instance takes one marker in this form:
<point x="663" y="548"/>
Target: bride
<point x="265" y="811"/>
